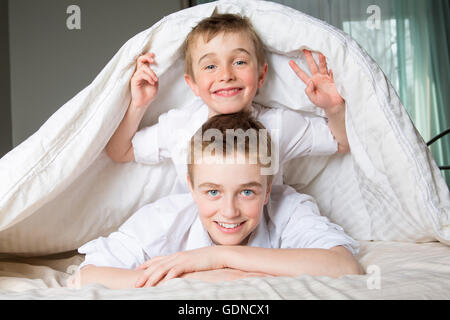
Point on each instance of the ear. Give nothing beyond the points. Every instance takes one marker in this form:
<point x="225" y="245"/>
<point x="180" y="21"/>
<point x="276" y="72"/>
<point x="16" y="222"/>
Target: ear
<point x="191" y="188"/>
<point x="262" y="75"/>
<point x="192" y="84"/>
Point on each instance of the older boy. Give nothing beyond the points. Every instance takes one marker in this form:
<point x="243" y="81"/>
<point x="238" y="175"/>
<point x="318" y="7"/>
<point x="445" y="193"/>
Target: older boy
<point x="225" y="66"/>
<point x="231" y="224"/>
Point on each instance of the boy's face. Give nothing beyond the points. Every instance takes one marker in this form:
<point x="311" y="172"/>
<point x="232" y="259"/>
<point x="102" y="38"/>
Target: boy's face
<point x="226" y="72"/>
<point x="230" y="199"/>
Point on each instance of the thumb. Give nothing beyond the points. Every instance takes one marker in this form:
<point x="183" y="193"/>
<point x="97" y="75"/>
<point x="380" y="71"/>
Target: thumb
<point x="310" y="87"/>
<point x="310" y="91"/>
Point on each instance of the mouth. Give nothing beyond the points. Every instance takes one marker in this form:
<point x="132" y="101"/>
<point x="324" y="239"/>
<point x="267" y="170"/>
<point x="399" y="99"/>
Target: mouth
<point x="229" y="227"/>
<point x="227" y="92"/>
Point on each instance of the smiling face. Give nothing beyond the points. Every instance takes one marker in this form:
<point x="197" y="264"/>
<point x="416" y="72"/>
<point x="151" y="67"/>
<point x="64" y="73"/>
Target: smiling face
<point x="230" y="199"/>
<point x="226" y="75"/>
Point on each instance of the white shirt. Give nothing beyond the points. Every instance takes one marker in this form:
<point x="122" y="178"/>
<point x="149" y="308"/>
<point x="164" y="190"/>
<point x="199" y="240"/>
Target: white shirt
<point x="172" y="224"/>
<point x="293" y="135"/>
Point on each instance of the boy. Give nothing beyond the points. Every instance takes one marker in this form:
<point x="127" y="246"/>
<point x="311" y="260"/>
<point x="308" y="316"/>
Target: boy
<point x="225" y="66"/>
<point x="230" y="226"/>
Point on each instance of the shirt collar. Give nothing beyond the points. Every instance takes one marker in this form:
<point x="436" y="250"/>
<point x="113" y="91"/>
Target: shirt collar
<point x="198" y="237"/>
<point x="260" y="236"/>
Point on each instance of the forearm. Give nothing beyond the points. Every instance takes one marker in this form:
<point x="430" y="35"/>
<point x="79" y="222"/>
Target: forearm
<point x="119" y="147"/>
<point x="336" y="123"/>
<point x="219" y="275"/>
<point x="292" y="262"/>
<point x="114" y="278"/>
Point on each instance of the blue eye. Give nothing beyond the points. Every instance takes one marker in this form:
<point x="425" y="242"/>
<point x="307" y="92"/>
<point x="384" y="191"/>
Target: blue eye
<point x="210" y="67"/>
<point x="247" y="193"/>
<point x="240" y="62"/>
<point x="213" y="193"/>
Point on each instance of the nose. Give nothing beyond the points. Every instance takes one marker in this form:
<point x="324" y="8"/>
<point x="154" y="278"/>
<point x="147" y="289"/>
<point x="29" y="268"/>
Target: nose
<point x="230" y="209"/>
<point x="227" y="74"/>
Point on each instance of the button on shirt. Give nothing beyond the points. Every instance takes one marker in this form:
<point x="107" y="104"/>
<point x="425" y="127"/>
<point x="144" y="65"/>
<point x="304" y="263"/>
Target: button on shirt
<point x="292" y="134"/>
<point x="172" y="224"/>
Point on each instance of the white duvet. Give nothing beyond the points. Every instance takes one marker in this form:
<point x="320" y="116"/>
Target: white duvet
<point x="59" y="190"/>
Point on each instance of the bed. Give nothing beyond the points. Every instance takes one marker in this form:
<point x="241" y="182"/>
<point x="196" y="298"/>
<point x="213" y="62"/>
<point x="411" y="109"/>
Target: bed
<point x="60" y="190"/>
<point x="395" y="270"/>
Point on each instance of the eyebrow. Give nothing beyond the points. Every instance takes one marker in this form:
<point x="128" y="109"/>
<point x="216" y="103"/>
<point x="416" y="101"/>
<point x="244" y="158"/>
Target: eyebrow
<point x="213" y="54"/>
<point x="218" y="186"/>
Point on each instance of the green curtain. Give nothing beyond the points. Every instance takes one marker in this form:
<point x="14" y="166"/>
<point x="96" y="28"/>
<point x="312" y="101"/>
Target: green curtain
<point x="411" y="45"/>
<point x="424" y="86"/>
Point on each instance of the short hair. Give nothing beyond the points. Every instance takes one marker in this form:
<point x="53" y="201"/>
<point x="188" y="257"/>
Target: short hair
<point x="239" y="132"/>
<point x="218" y="23"/>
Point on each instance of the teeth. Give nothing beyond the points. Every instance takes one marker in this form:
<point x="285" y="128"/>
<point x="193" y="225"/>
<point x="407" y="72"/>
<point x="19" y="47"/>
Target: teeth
<point x="229" y="226"/>
<point x="228" y="90"/>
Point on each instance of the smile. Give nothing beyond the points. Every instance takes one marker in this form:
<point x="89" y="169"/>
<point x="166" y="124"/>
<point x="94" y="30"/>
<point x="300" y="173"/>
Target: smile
<point x="230" y="92"/>
<point x="229" y="227"/>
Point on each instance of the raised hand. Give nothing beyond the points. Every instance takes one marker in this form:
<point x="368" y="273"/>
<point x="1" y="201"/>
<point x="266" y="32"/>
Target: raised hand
<point x="320" y="86"/>
<point x="144" y="82"/>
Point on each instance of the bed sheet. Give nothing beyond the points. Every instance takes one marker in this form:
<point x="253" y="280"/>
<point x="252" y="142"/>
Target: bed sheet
<point x="394" y="270"/>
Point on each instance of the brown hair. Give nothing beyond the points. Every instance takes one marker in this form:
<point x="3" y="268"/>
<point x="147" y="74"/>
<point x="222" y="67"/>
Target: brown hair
<point x="218" y="23"/>
<point x="256" y="140"/>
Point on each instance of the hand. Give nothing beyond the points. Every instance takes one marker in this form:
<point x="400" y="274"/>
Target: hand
<point x="320" y="87"/>
<point x="144" y="82"/>
<point x="163" y="268"/>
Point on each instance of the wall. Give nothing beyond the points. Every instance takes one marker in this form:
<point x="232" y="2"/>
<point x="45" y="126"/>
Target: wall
<point x="49" y="64"/>
<point x="5" y="98"/>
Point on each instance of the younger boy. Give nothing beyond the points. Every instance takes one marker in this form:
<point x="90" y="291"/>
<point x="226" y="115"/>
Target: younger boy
<point x="230" y="226"/>
<point x="225" y="66"/>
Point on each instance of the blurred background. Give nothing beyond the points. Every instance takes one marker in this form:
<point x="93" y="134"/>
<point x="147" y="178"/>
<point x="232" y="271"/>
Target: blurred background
<point x="52" y="49"/>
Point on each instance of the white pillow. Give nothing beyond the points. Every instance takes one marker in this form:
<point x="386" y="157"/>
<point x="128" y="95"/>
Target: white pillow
<point x="59" y="190"/>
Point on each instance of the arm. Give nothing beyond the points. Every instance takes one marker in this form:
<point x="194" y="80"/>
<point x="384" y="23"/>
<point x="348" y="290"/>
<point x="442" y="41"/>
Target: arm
<point x="114" y="278"/>
<point x="334" y="262"/>
<point x="219" y="275"/>
<point x="144" y="87"/>
<point x="321" y="90"/>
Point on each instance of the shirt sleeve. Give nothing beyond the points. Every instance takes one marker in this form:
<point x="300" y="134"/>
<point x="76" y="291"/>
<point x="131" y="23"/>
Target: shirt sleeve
<point x="302" y="136"/>
<point x="306" y="228"/>
<point x="124" y="248"/>
<point x="150" y="143"/>
<point x="118" y="250"/>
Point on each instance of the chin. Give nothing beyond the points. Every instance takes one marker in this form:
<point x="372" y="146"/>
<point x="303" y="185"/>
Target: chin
<point x="228" y="110"/>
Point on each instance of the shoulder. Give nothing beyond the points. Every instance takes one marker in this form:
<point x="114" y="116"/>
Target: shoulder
<point x="284" y="199"/>
<point x="161" y="217"/>
<point x="273" y="118"/>
<point x="195" y="109"/>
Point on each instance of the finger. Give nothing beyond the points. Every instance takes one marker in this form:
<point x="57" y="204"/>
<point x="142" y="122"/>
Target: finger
<point x="311" y="62"/>
<point x="155" y="278"/>
<point x="310" y="90"/>
<point x="173" y="273"/>
<point x="146" y="59"/>
<point x="299" y="72"/>
<point x="141" y="280"/>
<point x="149" y="262"/>
<point x="332" y="75"/>
<point x="151" y="73"/>
<point x="142" y="76"/>
<point x="323" y="64"/>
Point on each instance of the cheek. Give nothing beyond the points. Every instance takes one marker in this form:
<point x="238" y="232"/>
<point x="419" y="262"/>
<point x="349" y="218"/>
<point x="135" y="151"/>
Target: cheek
<point x="205" y="83"/>
<point x="250" y="78"/>
<point x="253" y="209"/>
<point x="206" y="209"/>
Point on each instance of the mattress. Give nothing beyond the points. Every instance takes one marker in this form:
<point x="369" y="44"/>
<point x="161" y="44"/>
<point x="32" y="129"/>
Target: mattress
<point x="394" y="270"/>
